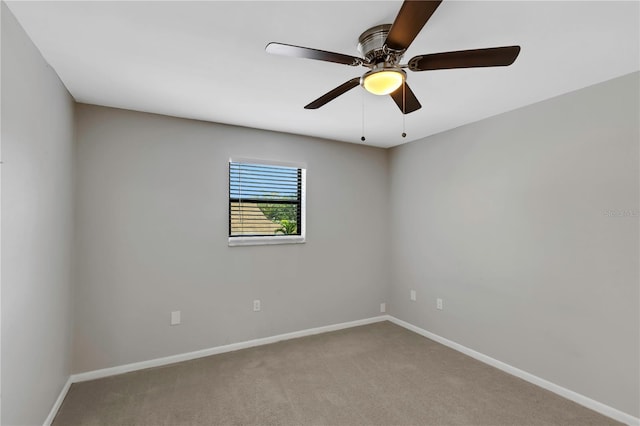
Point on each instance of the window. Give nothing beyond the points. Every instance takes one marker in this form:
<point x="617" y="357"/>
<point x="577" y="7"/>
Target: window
<point x="266" y="203"/>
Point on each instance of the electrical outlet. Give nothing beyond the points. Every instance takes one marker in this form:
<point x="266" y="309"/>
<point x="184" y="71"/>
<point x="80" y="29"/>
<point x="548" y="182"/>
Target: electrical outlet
<point x="256" y="306"/>
<point x="439" y="303"/>
<point x="383" y="307"/>
<point x="175" y="317"/>
<point x="413" y="295"/>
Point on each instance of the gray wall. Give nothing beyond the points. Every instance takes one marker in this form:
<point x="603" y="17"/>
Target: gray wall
<point x="37" y="215"/>
<point x="152" y="237"/>
<point x="507" y="220"/>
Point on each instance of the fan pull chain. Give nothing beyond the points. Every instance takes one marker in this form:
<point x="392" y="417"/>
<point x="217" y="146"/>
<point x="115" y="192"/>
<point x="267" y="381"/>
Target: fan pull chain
<point x="404" y="110"/>
<point x="363" y="138"/>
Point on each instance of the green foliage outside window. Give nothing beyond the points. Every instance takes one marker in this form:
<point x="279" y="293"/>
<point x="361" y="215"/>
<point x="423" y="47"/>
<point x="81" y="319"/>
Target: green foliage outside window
<point x="284" y="214"/>
<point x="288" y="227"/>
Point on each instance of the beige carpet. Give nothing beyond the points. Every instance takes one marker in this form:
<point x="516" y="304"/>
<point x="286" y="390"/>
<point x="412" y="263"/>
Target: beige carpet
<point x="378" y="374"/>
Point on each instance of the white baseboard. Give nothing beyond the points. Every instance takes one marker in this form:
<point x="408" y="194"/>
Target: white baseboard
<point x="112" y="371"/>
<point x="58" y="403"/>
<point x="545" y="384"/>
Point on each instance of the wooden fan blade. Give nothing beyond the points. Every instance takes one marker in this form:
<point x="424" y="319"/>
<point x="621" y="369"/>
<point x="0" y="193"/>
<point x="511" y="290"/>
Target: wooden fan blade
<point x="329" y="96"/>
<point x="309" y="53"/>
<point x="407" y="101"/>
<point x="410" y="20"/>
<point x="491" y="57"/>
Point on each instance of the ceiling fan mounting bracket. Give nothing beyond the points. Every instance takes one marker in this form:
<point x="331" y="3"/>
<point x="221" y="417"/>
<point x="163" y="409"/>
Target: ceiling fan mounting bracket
<point x="413" y="63"/>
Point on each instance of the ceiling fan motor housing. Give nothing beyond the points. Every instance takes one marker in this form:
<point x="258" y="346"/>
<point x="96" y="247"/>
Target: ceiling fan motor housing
<point x="371" y="45"/>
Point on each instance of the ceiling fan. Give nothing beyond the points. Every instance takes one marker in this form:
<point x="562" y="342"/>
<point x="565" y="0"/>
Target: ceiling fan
<point x="382" y="48"/>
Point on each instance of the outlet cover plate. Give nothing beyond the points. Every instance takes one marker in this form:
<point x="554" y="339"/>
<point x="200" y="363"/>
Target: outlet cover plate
<point x="175" y="318"/>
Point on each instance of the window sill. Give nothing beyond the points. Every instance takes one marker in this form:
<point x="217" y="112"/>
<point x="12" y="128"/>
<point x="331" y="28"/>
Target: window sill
<point x="261" y="241"/>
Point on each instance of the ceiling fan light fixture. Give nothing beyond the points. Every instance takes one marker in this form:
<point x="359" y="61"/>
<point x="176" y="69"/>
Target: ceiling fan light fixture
<point x="383" y="81"/>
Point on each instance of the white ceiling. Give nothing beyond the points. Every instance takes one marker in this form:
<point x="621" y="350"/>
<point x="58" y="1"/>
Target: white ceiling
<point x="206" y="60"/>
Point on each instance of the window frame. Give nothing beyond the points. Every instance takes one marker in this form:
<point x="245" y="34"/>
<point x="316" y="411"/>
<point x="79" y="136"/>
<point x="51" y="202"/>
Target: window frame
<point x="268" y="239"/>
